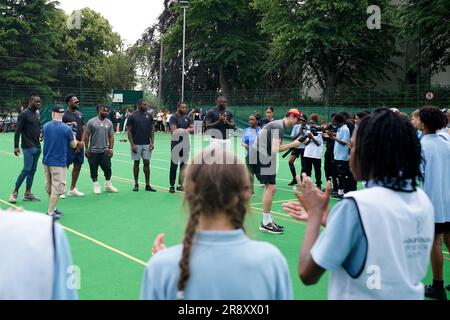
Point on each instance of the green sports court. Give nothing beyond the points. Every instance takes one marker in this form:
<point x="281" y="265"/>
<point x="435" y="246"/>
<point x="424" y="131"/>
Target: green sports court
<point x="111" y="235"/>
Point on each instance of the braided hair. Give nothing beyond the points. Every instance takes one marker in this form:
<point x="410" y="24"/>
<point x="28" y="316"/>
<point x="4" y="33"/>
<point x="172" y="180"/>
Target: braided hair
<point x="387" y="149"/>
<point x="222" y="187"/>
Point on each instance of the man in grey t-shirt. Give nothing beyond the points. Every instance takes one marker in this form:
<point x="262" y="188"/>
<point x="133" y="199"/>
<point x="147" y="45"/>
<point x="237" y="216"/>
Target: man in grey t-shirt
<point x="99" y="141"/>
<point x="263" y="153"/>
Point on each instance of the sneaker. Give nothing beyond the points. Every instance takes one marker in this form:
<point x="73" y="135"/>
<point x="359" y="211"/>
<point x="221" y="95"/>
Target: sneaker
<point x="56" y="214"/>
<point x="30" y="197"/>
<point x="277" y="225"/>
<point x="438" y="294"/>
<point x="97" y="189"/>
<point x="110" y="188"/>
<point x="62" y="196"/>
<point x="136" y="188"/>
<point x="270" y="228"/>
<point x="448" y="287"/>
<point x="292" y="183"/>
<point x="172" y="189"/>
<point x="180" y="188"/>
<point x="76" y="193"/>
<point x="149" y="188"/>
<point x="13" y="197"/>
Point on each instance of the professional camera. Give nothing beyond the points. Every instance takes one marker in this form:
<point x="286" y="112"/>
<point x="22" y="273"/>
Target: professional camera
<point x="315" y="130"/>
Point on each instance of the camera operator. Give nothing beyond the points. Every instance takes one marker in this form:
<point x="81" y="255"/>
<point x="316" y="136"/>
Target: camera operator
<point x="313" y="150"/>
<point x="330" y="172"/>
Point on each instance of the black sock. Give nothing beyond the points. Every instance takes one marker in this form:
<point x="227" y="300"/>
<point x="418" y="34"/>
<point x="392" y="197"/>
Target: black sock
<point x="438" y="285"/>
<point x="293" y="172"/>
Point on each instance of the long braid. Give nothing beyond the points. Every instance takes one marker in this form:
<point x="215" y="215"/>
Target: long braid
<point x="212" y="189"/>
<point x="195" y="211"/>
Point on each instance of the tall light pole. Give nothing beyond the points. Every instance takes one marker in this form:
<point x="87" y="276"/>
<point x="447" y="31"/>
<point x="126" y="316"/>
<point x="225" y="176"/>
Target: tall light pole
<point x="184" y="5"/>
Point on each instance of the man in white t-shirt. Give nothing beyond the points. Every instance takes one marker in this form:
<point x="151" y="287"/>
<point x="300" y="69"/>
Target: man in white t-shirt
<point x="313" y="150"/>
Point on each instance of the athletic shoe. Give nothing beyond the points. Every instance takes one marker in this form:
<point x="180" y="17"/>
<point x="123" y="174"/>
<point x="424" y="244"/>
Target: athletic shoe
<point x="448" y="287"/>
<point x="180" y="188"/>
<point x="149" y="188"/>
<point x="136" y="188"/>
<point x="292" y="183"/>
<point x="13" y="197"/>
<point x="172" y="189"/>
<point x="438" y="294"/>
<point x="62" y="196"/>
<point x="56" y="214"/>
<point x="30" y="197"/>
<point x="109" y="187"/>
<point x="76" y="193"/>
<point x="270" y="228"/>
<point x="97" y="189"/>
<point x="277" y="225"/>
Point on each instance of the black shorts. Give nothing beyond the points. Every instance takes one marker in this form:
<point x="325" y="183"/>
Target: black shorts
<point x="75" y="157"/>
<point x="440" y="228"/>
<point x="267" y="171"/>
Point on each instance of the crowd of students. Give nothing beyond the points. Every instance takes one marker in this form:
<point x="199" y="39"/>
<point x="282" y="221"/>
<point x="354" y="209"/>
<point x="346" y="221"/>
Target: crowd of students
<point x="376" y="244"/>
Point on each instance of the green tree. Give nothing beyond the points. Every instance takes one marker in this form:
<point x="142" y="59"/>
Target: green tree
<point x="88" y="51"/>
<point x="427" y="26"/>
<point x="29" y="39"/>
<point x="222" y="34"/>
<point x="329" y="40"/>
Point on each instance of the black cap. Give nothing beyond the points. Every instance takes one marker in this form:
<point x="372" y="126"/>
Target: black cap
<point x="58" y="109"/>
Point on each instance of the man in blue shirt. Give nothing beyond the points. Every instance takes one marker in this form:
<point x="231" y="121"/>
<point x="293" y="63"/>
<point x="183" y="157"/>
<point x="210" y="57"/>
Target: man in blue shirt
<point x="341" y="153"/>
<point x="58" y="136"/>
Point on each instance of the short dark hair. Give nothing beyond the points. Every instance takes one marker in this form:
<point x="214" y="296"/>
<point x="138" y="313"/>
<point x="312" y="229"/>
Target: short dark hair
<point x="180" y="103"/>
<point x="102" y="106"/>
<point x="339" y="118"/>
<point x="139" y="101"/>
<point x="433" y="118"/>
<point x="346" y="115"/>
<point x="382" y="158"/>
<point x="269" y="108"/>
<point x="362" y="114"/>
<point x="33" y="95"/>
<point x="69" y="97"/>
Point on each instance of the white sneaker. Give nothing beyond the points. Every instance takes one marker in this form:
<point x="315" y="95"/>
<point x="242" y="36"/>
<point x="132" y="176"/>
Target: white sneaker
<point x="76" y="193"/>
<point x="97" y="189"/>
<point x="62" y="196"/>
<point x="109" y="187"/>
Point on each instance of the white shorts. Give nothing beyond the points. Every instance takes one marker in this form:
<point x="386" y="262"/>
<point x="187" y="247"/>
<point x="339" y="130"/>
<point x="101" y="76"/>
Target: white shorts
<point x="143" y="151"/>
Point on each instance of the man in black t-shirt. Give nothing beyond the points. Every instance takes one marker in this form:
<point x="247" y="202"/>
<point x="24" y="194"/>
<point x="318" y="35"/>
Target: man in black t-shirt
<point x="180" y="126"/>
<point x="28" y="127"/>
<point x="218" y="121"/>
<point x="75" y="120"/>
<point x="141" y="134"/>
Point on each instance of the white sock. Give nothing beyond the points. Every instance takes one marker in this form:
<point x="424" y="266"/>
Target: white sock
<point x="267" y="218"/>
<point x="341" y="192"/>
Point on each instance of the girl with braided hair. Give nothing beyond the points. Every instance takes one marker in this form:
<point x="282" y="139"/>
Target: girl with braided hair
<point x="216" y="260"/>
<point x="377" y="240"/>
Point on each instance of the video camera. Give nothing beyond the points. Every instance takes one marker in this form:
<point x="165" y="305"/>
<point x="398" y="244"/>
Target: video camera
<point x="314" y="129"/>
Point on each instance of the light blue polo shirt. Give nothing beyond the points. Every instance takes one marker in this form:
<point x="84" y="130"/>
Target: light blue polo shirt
<point x="436" y="174"/>
<point x="224" y="265"/>
<point x="341" y="152"/>
<point x="249" y="136"/>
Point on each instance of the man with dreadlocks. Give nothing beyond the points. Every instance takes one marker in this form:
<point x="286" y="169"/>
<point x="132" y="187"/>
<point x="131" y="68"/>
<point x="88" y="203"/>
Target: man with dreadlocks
<point x="371" y="242"/>
<point x="217" y="260"/>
